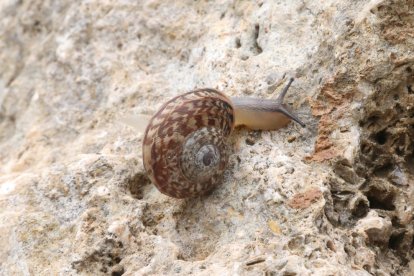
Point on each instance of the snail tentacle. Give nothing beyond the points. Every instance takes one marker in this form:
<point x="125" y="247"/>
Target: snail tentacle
<point x="264" y="114"/>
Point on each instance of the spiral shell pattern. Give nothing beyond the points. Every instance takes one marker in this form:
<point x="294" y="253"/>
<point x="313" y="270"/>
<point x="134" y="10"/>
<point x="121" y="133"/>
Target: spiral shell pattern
<point x="185" y="148"/>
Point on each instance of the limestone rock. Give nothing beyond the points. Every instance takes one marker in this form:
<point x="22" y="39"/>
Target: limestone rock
<point x="377" y="230"/>
<point x="74" y="196"/>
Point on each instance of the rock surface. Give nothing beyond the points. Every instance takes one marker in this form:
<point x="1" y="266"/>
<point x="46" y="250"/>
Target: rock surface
<point x="74" y="198"/>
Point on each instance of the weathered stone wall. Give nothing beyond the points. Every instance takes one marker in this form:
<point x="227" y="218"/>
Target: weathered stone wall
<point x="334" y="198"/>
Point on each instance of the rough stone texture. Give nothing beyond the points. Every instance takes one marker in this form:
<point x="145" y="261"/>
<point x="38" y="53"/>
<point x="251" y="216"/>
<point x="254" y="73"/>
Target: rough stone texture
<point x="74" y="199"/>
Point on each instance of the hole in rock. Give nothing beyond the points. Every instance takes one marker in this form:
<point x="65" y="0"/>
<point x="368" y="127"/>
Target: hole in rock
<point x="250" y="141"/>
<point x="136" y="185"/>
<point x="409" y="162"/>
<point x="361" y="209"/>
<point x="367" y="267"/>
<point x="259" y="49"/>
<point x="365" y="148"/>
<point x="238" y="43"/>
<point x="372" y="120"/>
<point x="399" y="146"/>
<point x="383" y="170"/>
<point x="412" y="244"/>
<point x="118" y="272"/>
<point x="395" y="222"/>
<point x="381" y="137"/>
<point x="380" y="199"/>
<point x="410" y="89"/>
<point x="396" y="239"/>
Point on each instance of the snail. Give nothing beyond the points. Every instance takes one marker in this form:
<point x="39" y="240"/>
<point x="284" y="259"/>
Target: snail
<point x="185" y="149"/>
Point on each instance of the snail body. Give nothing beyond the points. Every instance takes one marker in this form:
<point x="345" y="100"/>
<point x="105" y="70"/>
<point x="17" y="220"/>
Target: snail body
<point x="185" y="149"/>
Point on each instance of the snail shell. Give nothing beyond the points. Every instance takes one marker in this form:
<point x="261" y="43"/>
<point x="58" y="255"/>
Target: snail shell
<point x="185" y="149"/>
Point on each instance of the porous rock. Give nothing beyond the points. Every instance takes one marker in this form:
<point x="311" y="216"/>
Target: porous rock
<point x="74" y="196"/>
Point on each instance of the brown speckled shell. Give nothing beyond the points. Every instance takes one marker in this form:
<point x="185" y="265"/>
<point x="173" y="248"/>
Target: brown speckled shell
<point x="188" y="116"/>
